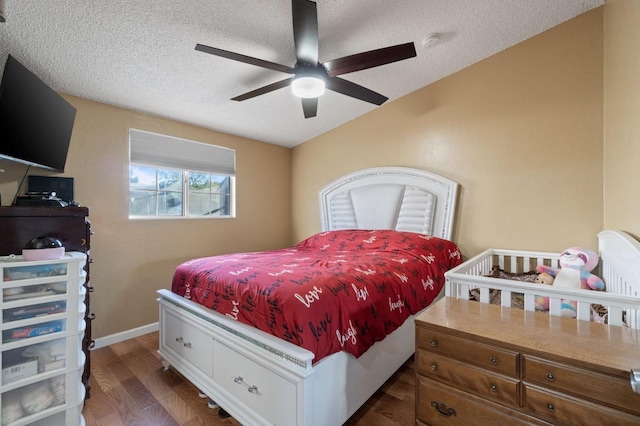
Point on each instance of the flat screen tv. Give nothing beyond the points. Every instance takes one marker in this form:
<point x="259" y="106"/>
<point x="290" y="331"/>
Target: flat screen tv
<point x="35" y="122"/>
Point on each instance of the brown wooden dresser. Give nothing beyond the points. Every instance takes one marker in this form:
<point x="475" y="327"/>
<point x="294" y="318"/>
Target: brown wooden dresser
<point x="481" y="364"/>
<point x="18" y="225"/>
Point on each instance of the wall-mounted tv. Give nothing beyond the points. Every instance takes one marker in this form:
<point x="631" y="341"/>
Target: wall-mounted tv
<point x="35" y="122"/>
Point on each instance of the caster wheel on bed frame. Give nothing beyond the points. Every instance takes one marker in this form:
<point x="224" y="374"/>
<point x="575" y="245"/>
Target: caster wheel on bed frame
<point x="211" y="403"/>
<point x="223" y="414"/>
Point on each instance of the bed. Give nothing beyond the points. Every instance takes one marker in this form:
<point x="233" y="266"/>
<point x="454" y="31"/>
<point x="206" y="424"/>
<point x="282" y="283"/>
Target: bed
<point x="619" y="267"/>
<point x="265" y="376"/>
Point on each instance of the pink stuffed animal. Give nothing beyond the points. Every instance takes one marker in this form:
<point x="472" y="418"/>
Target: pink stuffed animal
<point x="575" y="272"/>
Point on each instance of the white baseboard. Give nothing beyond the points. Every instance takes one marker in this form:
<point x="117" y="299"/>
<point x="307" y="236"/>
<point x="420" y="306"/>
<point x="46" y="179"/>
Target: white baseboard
<point x="125" y="335"/>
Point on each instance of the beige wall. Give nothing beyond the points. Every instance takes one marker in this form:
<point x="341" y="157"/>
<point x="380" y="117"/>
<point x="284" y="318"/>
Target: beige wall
<point x="622" y="115"/>
<point x="521" y="132"/>
<point x="135" y="258"/>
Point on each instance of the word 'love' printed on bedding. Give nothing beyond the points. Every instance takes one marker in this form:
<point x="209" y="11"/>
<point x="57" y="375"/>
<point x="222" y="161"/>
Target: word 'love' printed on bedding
<point x="310" y="297"/>
<point x="335" y="291"/>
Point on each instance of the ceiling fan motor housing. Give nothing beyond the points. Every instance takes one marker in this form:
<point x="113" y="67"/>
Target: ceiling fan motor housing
<point x="309" y="81"/>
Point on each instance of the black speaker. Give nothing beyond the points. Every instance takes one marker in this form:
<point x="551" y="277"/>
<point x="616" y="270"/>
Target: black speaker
<point x="62" y="186"/>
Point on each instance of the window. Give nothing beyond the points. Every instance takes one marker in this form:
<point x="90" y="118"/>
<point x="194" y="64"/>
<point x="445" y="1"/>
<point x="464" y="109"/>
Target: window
<point x="171" y="177"/>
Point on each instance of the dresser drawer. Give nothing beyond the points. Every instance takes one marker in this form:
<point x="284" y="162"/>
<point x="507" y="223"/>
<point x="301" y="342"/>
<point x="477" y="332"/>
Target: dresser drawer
<point x="481" y="382"/>
<point x="561" y="408"/>
<point x="439" y="404"/>
<point x="188" y="341"/>
<point x="500" y="360"/>
<point x="610" y="390"/>
<point x="270" y="395"/>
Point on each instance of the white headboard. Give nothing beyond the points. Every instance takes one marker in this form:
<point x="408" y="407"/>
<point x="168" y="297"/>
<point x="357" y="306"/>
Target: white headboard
<point x="397" y="198"/>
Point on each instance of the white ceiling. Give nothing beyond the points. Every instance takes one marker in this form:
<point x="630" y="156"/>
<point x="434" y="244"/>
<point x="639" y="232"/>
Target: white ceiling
<point x="139" y="54"/>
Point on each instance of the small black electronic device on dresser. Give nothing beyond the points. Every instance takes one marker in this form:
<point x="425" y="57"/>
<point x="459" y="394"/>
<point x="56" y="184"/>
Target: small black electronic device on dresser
<point x="70" y="225"/>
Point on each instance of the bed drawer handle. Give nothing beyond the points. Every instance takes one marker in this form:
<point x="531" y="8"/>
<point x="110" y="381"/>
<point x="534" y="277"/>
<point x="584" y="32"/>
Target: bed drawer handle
<point x="250" y="388"/>
<point x="550" y="407"/>
<point x="443" y="409"/>
<point x="181" y="340"/>
<point x="493" y="360"/>
<point x="551" y="377"/>
<point x="434" y="366"/>
<point x="433" y="343"/>
<point x="494" y="388"/>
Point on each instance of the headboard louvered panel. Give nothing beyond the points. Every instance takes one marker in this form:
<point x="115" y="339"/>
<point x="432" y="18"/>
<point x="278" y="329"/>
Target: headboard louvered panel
<point x="342" y="214"/>
<point x="417" y="211"/>
<point x="398" y="198"/>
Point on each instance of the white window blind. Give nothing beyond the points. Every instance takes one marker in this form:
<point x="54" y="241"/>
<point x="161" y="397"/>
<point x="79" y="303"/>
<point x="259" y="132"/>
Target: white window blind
<point x="153" y="149"/>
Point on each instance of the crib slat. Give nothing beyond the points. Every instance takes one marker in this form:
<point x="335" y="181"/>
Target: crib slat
<point x="615" y="315"/>
<point x="505" y="298"/>
<point x="554" y="306"/>
<point x="584" y="311"/>
<point x="484" y="295"/>
<point x="529" y="302"/>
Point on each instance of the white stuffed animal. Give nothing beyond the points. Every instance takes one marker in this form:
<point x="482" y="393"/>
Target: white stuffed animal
<point x="575" y="272"/>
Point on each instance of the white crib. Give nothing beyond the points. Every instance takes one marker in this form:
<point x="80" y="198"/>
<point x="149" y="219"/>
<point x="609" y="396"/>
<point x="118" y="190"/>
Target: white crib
<point x="619" y="267"/>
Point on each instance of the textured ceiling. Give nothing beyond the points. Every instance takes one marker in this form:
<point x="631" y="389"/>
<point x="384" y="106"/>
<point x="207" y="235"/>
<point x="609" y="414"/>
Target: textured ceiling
<point x="139" y="54"/>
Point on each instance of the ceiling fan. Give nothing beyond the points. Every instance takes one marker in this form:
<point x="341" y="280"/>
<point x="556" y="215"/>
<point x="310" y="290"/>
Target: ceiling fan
<point x="311" y="77"/>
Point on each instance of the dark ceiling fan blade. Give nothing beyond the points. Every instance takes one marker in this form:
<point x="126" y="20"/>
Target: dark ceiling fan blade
<point x="354" y="90"/>
<point x="305" y="31"/>
<point x="243" y="58"/>
<point x="309" y="107"/>
<point x="370" y="59"/>
<point x="264" y="89"/>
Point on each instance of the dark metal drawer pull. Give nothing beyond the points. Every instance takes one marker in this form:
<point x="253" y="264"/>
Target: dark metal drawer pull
<point x="494" y="360"/>
<point x="434" y="366"/>
<point x="550" y="407"/>
<point x="443" y="409"/>
<point x="494" y="388"/>
<point x="551" y="377"/>
<point x="433" y="343"/>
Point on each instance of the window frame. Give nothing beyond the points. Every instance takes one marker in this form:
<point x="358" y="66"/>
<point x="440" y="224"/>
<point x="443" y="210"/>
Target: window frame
<point x="150" y="148"/>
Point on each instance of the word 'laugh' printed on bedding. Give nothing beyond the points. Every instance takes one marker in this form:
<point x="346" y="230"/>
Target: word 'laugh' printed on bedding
<point x="335" y="291"/>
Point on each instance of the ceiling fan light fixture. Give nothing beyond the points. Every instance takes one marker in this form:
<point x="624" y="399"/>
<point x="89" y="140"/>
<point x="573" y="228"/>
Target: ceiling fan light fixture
<point x="308" y="87"/>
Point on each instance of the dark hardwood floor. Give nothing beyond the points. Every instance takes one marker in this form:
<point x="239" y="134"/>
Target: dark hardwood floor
<point x="130" y="387"/>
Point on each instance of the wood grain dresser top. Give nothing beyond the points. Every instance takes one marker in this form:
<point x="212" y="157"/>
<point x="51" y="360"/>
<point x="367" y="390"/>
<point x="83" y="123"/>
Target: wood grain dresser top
<point x="569" y="340"/>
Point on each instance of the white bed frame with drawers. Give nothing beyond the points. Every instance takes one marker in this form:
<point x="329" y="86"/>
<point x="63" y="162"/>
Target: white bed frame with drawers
<point x="260" y="379"/>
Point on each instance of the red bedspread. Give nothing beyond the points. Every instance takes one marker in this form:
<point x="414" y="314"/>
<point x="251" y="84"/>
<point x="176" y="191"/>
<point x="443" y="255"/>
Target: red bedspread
<point x="337" y="290"/>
